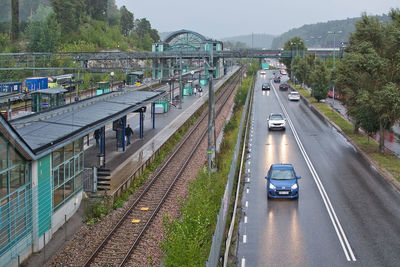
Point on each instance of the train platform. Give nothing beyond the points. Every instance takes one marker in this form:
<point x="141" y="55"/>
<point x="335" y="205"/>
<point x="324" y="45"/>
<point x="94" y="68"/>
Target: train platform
<point x="124" y="164"/>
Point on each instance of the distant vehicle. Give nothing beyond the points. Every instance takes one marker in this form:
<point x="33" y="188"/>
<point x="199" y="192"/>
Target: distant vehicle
<point x="294" y="96"/>
<point x="276" y="121"/>
<point x="265" y="86"/>
<point x="34" y="83"/>
<point x="283" y="86"/>
<point x="277" y="79"/>
<point x="10" y="87"/>
<point x="283" y="72"/>
<point x="337" y="95"/>
<point x="134" y="78"/>
<point x="282" y="181"/>
<point x="262" y="72"/>
<point x="59" y="80"/>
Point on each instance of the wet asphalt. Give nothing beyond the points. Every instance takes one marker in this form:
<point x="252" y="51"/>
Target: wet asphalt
<point x="346" y="215"/>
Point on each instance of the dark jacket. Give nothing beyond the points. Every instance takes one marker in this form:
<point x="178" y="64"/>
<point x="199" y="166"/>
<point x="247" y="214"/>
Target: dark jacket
<point x="128" y="131"/>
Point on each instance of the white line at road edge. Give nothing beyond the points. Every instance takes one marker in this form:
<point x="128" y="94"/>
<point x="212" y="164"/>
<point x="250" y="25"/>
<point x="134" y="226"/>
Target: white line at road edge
<point x="243" y="262"/>
<point x="332" y="214"/>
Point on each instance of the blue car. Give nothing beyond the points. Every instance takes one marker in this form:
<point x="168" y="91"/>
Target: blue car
<point x="282" y="181"/>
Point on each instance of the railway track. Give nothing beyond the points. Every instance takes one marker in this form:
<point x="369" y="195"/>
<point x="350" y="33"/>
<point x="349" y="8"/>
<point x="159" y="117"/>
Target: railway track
<point x="116" y="248"/>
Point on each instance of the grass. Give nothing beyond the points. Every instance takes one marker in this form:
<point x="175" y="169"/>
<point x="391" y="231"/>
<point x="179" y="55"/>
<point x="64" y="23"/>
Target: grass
<point x="387" y="160"/>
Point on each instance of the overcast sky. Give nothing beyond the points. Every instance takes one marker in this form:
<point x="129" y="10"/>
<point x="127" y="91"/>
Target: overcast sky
<point x="227" y="18"/>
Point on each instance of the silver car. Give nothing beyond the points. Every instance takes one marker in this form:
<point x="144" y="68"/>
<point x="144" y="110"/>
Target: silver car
<point x="276" y="121"/>
<point x="294" y="96"/>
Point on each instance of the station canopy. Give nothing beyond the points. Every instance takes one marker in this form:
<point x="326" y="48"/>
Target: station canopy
<point x="47" y="131"/>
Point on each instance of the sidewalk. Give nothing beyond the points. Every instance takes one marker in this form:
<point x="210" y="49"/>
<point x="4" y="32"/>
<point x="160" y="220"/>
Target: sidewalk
<point x="392" y="139"/>
<point x="122" y="163"/>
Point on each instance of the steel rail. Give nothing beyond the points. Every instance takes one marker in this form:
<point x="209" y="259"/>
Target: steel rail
<point x="234" y="83"/>
<point x="154" y="179"/>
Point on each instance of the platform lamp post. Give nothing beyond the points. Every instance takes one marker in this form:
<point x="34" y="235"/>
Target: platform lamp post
<point x="334" y="47"/>
<point x="180" y="82"/>
<point x="112" y="78"/>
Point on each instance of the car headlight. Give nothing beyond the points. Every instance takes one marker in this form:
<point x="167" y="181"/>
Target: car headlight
<point x="294" y="186"/>
<point x="271" y="186"/>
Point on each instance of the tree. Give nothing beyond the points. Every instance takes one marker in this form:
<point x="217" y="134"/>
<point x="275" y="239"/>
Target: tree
<point x="320" y="80"/>
<point x="154" y="35"/>
<point x="142" y="26"/>
<point x="364" y="115"/>
<point x="69" y="14"/>
<point x="97" y="9"/>
<point x="126" y="21"/>
<point x="43" y="31"/>
<point x="14" y="19"/>
<point x="370" y="71"/>
<point x="296" y="45"/>
<point x="310" y="63"/>
<point x="300" y="68"/>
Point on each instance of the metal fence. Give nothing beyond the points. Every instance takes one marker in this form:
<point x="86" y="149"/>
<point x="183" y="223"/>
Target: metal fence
<point x="88" y="180"/>
<point x="213" y="258"/>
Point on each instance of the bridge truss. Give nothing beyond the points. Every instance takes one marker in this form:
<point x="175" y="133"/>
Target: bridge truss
<point x="104" y="61"/>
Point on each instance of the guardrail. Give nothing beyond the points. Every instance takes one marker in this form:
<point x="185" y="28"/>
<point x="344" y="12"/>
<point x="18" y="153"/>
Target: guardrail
<point x="213" y="258"/>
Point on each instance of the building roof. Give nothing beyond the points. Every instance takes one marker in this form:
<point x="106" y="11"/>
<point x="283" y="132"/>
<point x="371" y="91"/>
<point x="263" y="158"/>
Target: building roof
<point x="50" y="91"/>
<point x="47" y="131"/>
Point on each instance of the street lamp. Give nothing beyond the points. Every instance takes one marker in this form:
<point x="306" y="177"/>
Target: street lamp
<point x="334" y="48"/>
<point x="291" y="59"/>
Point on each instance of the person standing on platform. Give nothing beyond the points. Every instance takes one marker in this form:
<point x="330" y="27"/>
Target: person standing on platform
<point x="128" y="133"/>
<point x="96" y="136"/>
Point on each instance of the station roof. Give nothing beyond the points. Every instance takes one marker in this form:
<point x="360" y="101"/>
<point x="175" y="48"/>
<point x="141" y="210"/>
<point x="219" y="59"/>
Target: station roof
<point x="51" y="91"/>
<point x="50" y="130"/>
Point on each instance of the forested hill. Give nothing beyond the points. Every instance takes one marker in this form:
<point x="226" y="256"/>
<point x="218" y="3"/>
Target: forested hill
<point x="316" y="35"/>
<point x="72" y="26"/>
<point x="256" y="40"/>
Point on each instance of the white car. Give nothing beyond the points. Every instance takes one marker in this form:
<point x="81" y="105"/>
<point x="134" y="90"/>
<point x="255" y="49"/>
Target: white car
<point x="276" y="121"/>
<point x="262" y="72"/>
<point x="294" y="96"/>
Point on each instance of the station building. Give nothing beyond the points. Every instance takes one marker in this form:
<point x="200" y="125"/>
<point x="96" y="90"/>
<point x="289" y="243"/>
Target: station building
<point x="189" y="41"/>
<point x="42" y="167"/>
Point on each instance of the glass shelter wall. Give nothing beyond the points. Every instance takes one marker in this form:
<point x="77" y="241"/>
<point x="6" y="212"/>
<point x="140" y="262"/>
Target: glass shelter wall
<point x="15" y="196"/>
<point x="67" y="166"/>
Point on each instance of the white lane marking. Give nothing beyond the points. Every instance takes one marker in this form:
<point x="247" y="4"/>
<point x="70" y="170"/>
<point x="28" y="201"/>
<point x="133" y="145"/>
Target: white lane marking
<point x="244" y="239"/>
<point x="248" y="180"/>
<point x="248" y="170"/>
<point x="249" y="162"/>
<point x="247" y="190"/>
<point x="243" y="262"/>
<point x="247" y="204"/>
<point x="245" y="219"/>
<point x="328" y="205"/>
<point x="249" y="149"/>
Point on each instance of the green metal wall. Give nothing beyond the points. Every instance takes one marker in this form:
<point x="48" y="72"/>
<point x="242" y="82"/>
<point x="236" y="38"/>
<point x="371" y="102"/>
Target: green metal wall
<point x="44" y="195"/>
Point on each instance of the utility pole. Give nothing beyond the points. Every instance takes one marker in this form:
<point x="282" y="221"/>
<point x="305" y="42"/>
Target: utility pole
<point x="211" y="113"/>
<point x="180" y="82"/>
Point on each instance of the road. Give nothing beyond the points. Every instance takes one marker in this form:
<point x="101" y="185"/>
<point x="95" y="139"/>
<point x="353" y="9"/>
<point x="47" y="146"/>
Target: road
<point x="346" y="215"/>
